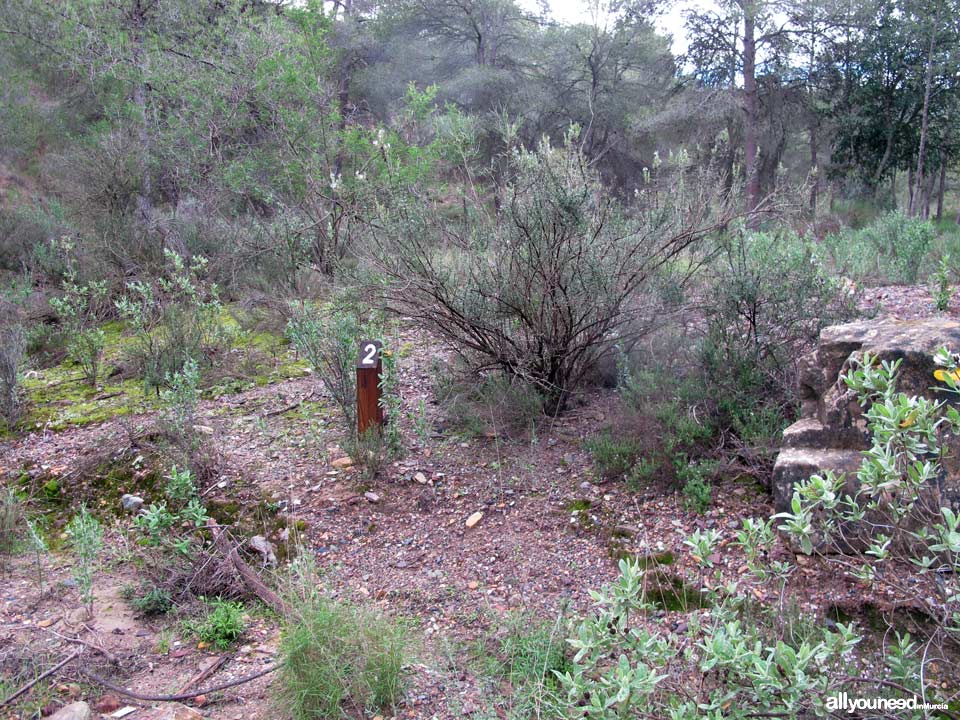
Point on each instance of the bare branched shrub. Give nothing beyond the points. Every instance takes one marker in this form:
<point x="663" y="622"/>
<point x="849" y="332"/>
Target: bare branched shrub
<point x="547" y="288"/>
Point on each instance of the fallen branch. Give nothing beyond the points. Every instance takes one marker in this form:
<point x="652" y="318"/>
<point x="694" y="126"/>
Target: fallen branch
<point x="179" y="696"/>
<point x="40" y="677"/>
<point x="247" y="573"/>
<point x="288" y="408"/>
<point x="111" y="658"/>
<point x="204" y="674"/>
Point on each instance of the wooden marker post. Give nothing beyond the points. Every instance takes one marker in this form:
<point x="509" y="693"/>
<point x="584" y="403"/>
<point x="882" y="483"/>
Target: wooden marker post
<point x="369" y="366"/>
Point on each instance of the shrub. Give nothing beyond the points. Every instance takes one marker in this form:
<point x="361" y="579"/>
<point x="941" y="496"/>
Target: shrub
<point x="11" y="360"/>
<point x="86" y="540"/>
<point x="182" y="399"/>
<point x="940" y="285"/>
<point x="336" y="655"/>
<point x="892" y="249"/>
<point x="175" y="319"/>
<point x="542" y="290"/>
<point x="11" y="521"/>
<point x="613" y="457"/>
<point x="491" y="404"/>
<point x="533" y="655"/>
<point x="153" y="601"/>
<point x="222" y="625"/>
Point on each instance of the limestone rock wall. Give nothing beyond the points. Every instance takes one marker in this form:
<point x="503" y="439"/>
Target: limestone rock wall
<point x="831" y="432"/>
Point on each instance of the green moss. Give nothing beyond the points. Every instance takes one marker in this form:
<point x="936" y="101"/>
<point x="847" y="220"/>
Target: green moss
<point x="579" y="506"/>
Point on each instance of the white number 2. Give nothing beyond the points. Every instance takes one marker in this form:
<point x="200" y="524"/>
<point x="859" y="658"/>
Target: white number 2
<point x="371" y="352"/>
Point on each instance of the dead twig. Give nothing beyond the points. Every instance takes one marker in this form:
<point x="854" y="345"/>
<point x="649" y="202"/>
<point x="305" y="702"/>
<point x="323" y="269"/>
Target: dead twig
<point x="204" y="674"/>
<point x="40" y="677"/>
<point x="248" y="574"/>
<point x="179" y="696"/>
<point x="288" y="408"/>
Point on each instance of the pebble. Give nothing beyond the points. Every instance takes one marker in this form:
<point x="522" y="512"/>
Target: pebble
<point x="131" y="503"/>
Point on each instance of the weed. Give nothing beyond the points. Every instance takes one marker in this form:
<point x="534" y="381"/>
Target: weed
<point x="695" y="476"/>
<point x="222" y="625"/>
<point x="940" y="287"/>
<point x="155" y="601"/>
<point x="335" y="654"/>
<point x="613" y="457"/>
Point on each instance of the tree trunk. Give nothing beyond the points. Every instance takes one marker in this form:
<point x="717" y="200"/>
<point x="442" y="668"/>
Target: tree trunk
<point x="814" y="166"/>
<point x="925" y="115"/>
<point x="942" y="188"/>
<point x="928" y="194"/>
<point x="911" y="174"/>
<point x="750" y="107"/>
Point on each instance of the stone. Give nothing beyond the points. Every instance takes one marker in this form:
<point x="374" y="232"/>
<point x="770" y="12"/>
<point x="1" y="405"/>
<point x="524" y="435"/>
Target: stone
<point x="263" y="546"/>
<point x="203" y="429"/>
<point x="342" y="463"/>
<point x="831" y="432"/>
<point x="372" y="497"/>
<point x="420" y="478"/>
<point x="173" y="711"/>
<point x="74" y="711"/>
<point x="474" y="519"/>
<point x="131" y="503"/>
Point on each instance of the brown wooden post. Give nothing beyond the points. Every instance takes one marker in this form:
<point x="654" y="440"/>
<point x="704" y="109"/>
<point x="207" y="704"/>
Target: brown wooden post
<point x="369" y="367"/>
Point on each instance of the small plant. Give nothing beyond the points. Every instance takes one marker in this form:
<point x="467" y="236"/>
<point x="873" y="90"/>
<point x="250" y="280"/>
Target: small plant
<point x="39" y="547"/>
<point x="78" y="311"/>
<point x="11" y="360"/>
<point x="175" y="319"/>
<point x="613" y="457"/>
<point x="86" y="541"/>
<point x="695" y="476"/>
<point x="222" y="625"/>
<point x="534" y="654"/>
<point x="11" y="520"/>
<point x="155" y="601"/>
<point x="336" y="654"/>
<point x="940" y="287"/>
<point x="182" y="400"/>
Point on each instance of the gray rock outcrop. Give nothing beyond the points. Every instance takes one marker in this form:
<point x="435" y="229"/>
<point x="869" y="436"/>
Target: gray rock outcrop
<point x="831" y="433"/>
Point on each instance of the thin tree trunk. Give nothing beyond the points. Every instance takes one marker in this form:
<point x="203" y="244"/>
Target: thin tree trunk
<point x="911" y="173"/>
<point x="814" y="166"/>
<point x="942" y="188"/>
<point x="928" y="194"/>
<point x="750" y="107"/>
<point x="925" y="113"/>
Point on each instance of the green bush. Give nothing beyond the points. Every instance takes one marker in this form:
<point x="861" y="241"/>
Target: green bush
<point x="335" y="655"/>
<point x="153" y="601"/>
<point x="222" y="625"/>
<point x="613" y="457"/>
<point x="890" y="249"/>
<point x="11" y="361"/>
<point x="175" y="319"/>
<point x="11" y="522"/>
<point x="86" y="540"/>
<point x="695" y="477"/>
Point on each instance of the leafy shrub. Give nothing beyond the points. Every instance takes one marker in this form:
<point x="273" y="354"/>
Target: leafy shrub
<point x="182" y="399"/>
<point x="940" y="285"/>
<point x="86" y="540"/>
<point x="184" y="511"/>
<point x="335" y="654"/>
<point x="175" y="319"/>
<point x="542" y="290"/>
<point x="154" y="601"/>
<point x="891" y="249"/>
<point x="695" y="476"/>
<point x="11" y="521"/>
<point x="11" y="360"/>
<point x="769" y="297"/>
<point x="222" y="625"/>
<point x="613" y="457"/>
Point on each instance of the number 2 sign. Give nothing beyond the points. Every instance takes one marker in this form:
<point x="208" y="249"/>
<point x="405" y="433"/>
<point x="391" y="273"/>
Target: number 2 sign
<point x="369" y="354"/>
<point x="369" y="411"/>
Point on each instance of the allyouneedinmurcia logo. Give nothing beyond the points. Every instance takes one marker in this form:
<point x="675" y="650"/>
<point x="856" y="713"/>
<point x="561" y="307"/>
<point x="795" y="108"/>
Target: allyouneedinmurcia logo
<point x="844" y="703"/>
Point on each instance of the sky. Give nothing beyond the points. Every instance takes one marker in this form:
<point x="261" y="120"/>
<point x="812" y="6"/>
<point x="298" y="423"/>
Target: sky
<point x="671" y="22"/>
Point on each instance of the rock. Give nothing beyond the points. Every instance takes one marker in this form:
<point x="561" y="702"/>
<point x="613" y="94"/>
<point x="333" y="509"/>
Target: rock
<point x="108" y="704"/>
<point x="173" y="711"/>
<point x="831" y="432"/>
<point x="420" y="478"/>
<point x="73" y="711"/>
<point x="372" y="497"/>
<point x="342" y="463"/>
<point x="474" y="519"/>
<point x="131" y="503"/>
<point x="263" y="546"/>
<point x="203" y="429"/>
